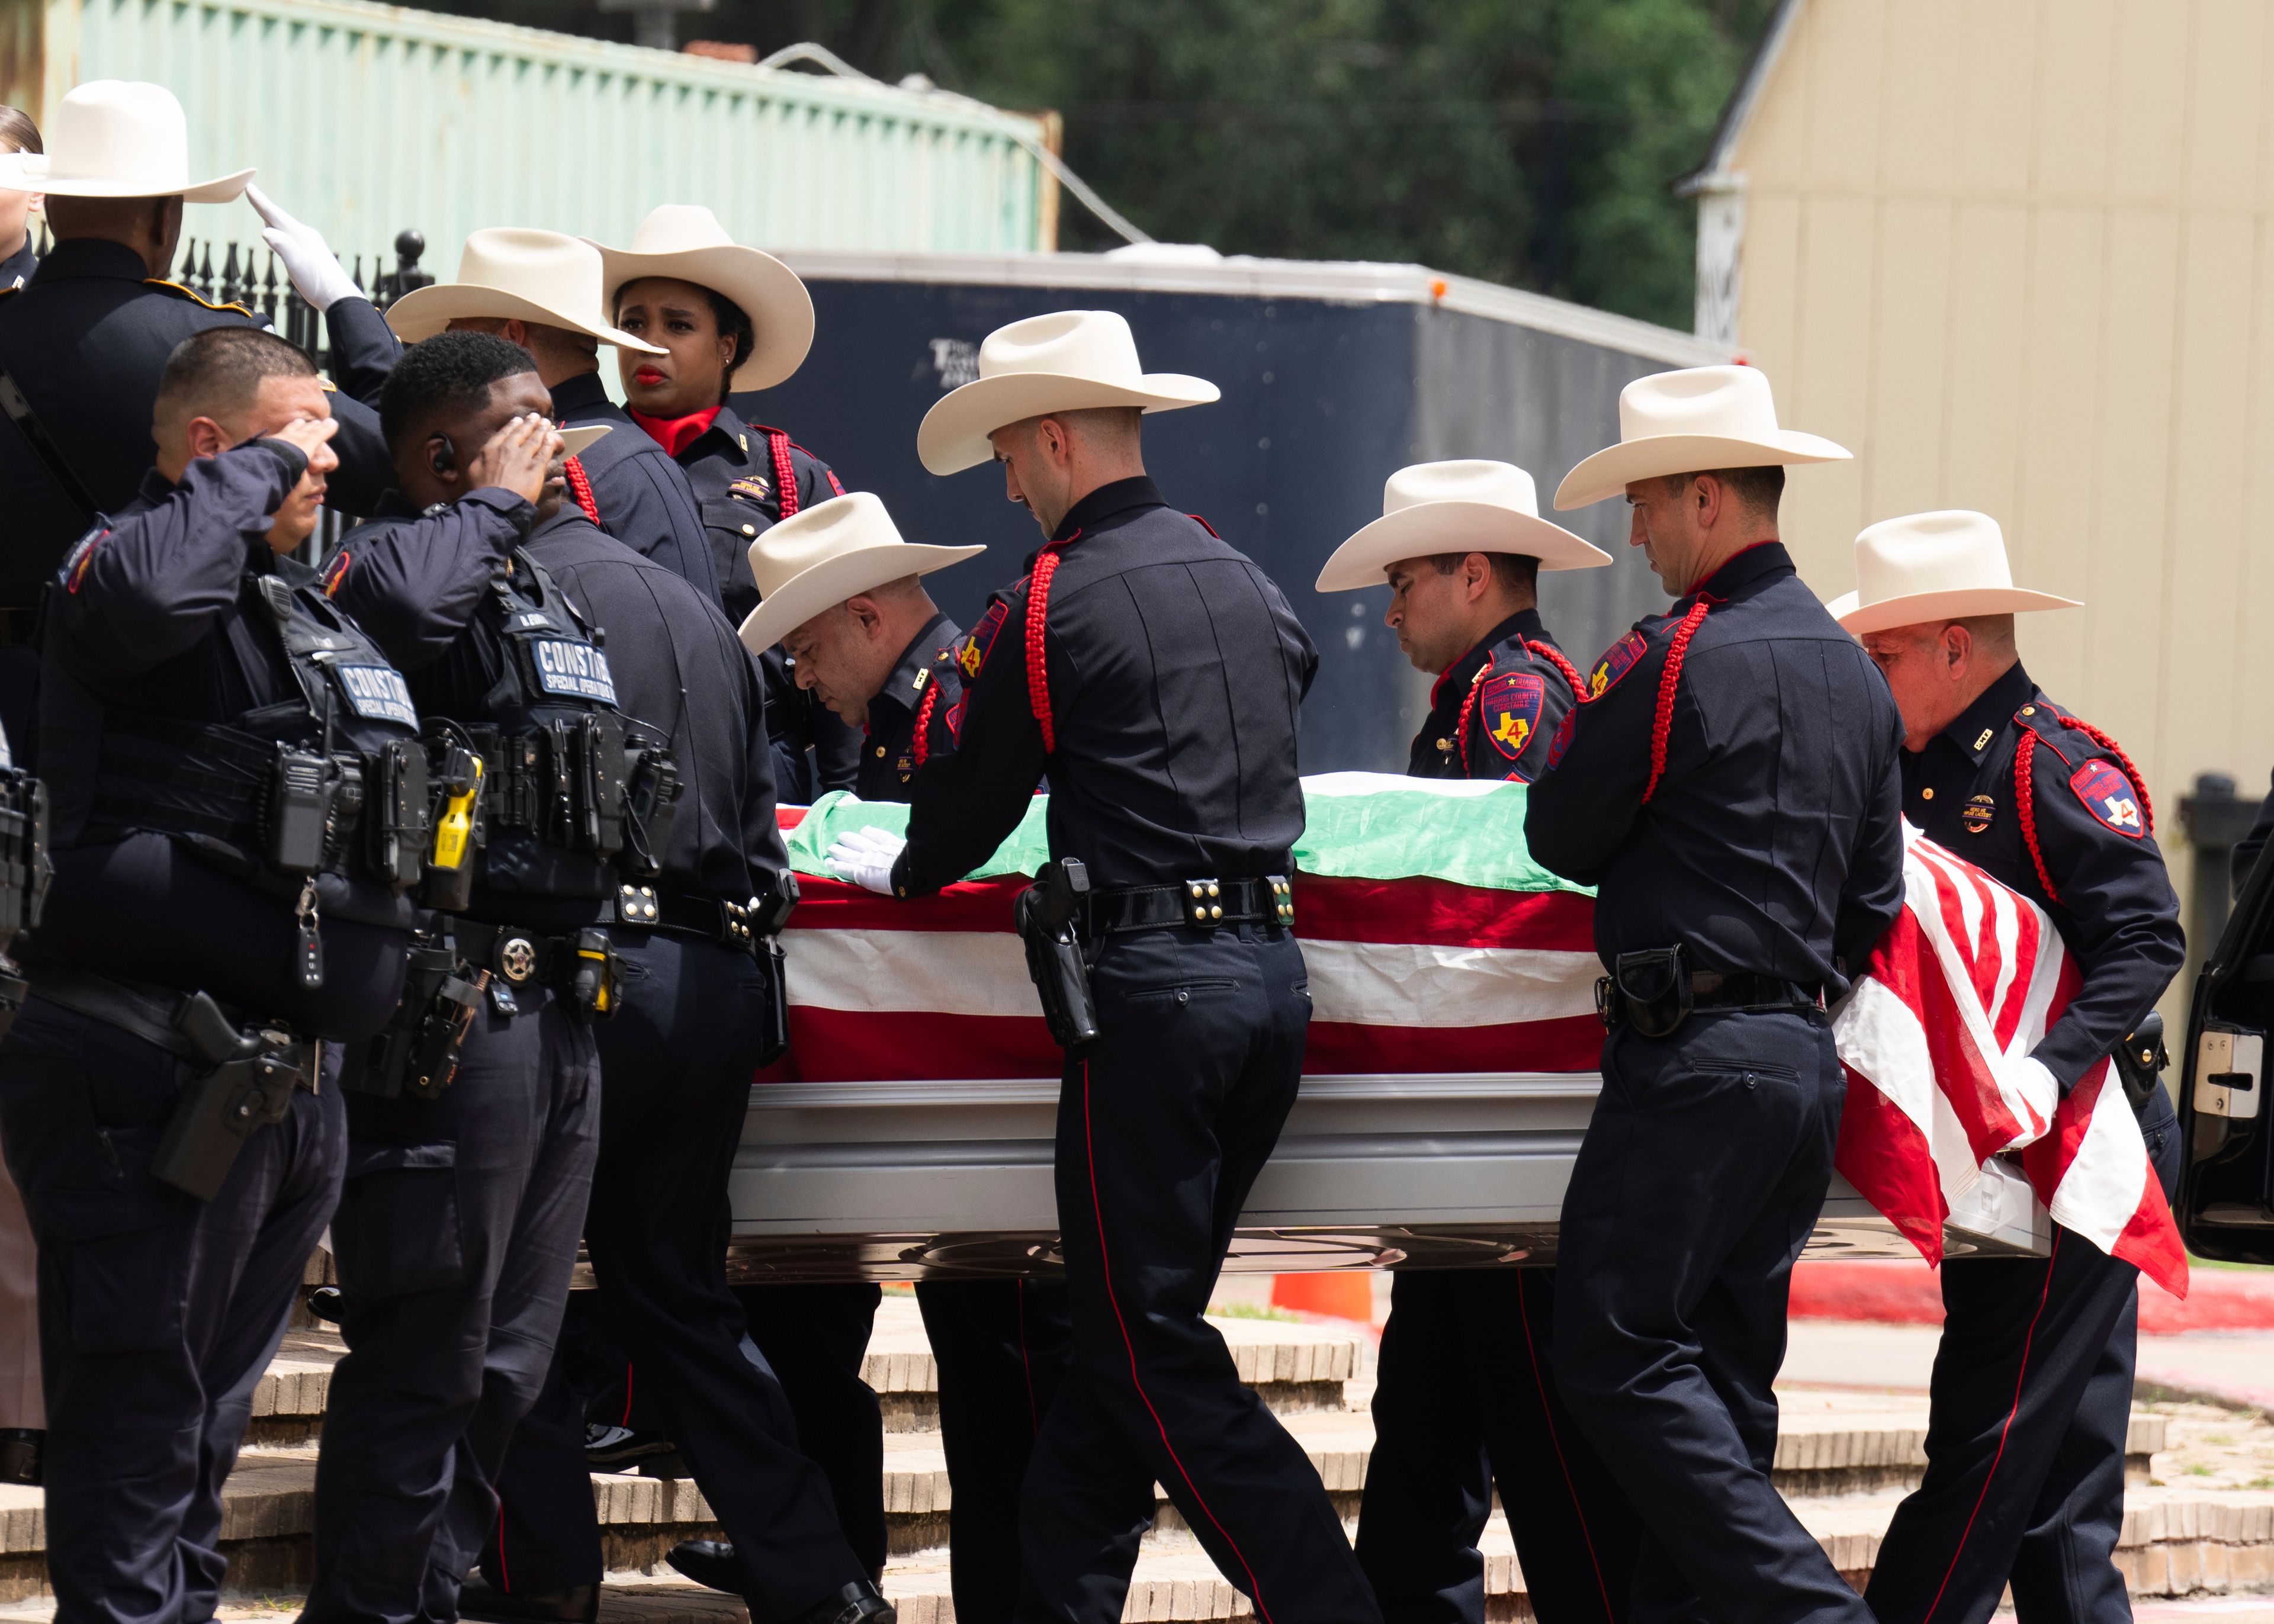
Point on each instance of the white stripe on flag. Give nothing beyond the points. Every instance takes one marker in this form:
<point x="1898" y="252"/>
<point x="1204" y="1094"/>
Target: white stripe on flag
<point x="1363" y="984"/>
<point x="2100" y="1189"/>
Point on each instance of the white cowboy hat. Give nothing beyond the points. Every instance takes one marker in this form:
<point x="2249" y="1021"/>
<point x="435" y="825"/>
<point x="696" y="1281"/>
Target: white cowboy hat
<point x="1688" y="422"/>
<point x="513" y="274"/>
<point x="1933" y="567"/>
<point x="1468" y="506"/>
<point x="1062" y="362"/>
<point x="821" y="555"/>
<point x="686" y="241"/>
<point x="113" y="137"/>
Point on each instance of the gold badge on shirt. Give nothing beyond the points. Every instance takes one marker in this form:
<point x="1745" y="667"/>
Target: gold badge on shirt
<point x="1977" y="814"/>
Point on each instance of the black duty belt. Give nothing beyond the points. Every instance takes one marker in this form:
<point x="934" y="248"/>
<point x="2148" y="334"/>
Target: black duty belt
<point x="139" y="1009"/>
<point x="518" y="954"/>
<point x="1710" y="989"/>
<point x="1200" y="904"/>
<point x="647" y="906"/>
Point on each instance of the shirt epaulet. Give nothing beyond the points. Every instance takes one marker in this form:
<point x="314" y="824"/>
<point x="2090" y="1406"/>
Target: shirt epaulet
<point x="196" y="297"/>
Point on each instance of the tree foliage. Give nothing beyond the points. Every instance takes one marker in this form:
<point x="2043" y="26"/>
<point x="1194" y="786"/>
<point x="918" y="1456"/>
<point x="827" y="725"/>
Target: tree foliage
<point x="1530" y="142"/>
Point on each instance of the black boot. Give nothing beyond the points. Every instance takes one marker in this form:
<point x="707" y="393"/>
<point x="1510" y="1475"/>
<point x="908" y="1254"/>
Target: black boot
<point x="709" y="1562"/>
<point x="20" y="1447"/>
<point x="858" y="1602"/>
<point x="613" y="1448"/>
<point x="324" y="1303"/>
<point x="578" y="1605"/>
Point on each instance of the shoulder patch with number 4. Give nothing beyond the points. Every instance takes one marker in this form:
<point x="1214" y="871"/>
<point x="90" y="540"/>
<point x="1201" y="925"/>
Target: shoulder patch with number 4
<point x="2109" y="796"/>
<point x="972" y="656"/>
<point x="1510" y="703"/>
<point x="1621" y="658"/>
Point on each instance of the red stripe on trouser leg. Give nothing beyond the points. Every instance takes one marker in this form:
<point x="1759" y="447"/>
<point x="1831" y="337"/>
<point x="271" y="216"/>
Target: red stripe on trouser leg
<point x="2004" y="1428"/>
<point x="1105" y="1268"/>
<point x="1548" y="1415"/>
<point x="627" y="1421"/>
<point x="504" y="1578"/>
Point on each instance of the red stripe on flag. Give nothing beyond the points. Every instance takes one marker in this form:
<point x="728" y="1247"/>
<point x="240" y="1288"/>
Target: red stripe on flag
<point x="865" y="1046"/>
<point x="2150" y="1242"/>
<point x="973" y="905"/>
<point x="1905" y="963"/>
<point x="1442" y="914"/>
<point x="1883" y="1154"/>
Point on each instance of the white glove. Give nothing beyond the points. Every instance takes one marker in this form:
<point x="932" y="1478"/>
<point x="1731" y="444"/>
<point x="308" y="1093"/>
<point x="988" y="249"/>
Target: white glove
<point x="865" y="858"/>
<point x="315" y="270"/>
<point x="2029" y="1078"/>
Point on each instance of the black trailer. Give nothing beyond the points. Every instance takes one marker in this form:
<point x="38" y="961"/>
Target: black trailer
<point x="1334" y="376"/>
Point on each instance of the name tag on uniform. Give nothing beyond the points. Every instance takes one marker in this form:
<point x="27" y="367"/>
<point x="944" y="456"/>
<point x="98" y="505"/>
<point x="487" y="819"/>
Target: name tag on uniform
<point x="378" y="694"/>
<point x="576" y="669"/>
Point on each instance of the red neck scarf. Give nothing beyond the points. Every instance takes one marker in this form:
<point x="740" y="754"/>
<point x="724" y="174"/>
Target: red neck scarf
<point x="675" y="434"/>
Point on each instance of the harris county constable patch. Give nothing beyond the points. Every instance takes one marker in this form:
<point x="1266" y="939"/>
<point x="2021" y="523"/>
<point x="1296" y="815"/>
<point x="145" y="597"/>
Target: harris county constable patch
<point x="2107" y="794"/>
<point x="1562" y="741"/>
<point x="971" y="658"/>
<point x="1511" y="705"/>
<point x="1621" y="658"/>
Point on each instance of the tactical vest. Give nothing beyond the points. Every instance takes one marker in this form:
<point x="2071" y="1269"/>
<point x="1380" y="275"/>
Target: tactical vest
<point x="332" y="780"/>
<point x="574" y="794"/>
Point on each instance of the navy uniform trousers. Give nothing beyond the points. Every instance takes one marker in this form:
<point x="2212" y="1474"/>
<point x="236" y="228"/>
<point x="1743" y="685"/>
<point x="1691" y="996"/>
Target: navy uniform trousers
<point x="2031" y="1403"/>
<point x="158" y="1312"/>
<point x="455" y="1240"/>
<point x="815" y="1336"/>
<point x="1701" y="1175"/>
<point x="677" y="1058"/>
<point x="1000" y="1347"/>
<point x="1162" y="1126"/>
<point x="1466" y="1397"/>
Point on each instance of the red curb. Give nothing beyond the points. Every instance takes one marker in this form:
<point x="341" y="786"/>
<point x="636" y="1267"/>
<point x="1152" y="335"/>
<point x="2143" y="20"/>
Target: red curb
<point x="1905" y="1291"/>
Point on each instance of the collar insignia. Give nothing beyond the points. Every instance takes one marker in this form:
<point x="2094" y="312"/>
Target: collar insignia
<point x="1982" y="742"/>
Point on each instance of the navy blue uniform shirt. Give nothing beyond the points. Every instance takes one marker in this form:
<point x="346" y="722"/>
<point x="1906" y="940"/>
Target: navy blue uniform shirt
<point x="1521" y="696"/>
<point x="85" y="339"/>
<point x="679" y="668"/>
<point x="1176" y="673"/>
<point x="2115" y="907"/>
<point x="642" y="495"/>
<point x="731" y="468"/>
<point x="927" y="683"/>
<point x="149" y="617"/>
<point x="1773" y="843"/>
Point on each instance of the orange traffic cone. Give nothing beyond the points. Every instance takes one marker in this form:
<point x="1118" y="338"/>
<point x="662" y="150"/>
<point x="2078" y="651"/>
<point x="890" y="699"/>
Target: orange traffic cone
<point x="1345" y="1294"/>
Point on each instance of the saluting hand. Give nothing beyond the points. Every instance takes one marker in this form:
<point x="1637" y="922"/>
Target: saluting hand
<point x="305" y="434"/>
<point x="518" y="457"/>
<point x="315" y="270"/>
<point x="865" y="857"/>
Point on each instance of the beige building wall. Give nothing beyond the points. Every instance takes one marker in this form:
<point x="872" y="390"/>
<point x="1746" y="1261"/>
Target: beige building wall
<point x="2015" y="254"/>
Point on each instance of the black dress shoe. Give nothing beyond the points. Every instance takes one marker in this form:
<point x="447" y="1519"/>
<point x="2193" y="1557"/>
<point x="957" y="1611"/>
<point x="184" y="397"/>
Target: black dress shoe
<point x="859" y="1603"/>
<point x="613" y="1448"/>
<point x="324" y="1303"/>
<point x="578" y="1605"/>
<point x="20" y="1449"/>
<point x="708" y="1561"/>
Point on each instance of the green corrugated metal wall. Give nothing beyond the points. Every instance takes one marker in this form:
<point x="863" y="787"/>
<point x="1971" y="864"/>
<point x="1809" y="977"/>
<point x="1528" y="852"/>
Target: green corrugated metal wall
<point x="366" y="118"/>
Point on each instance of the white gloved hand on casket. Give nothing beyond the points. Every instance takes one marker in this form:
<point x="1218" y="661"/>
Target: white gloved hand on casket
<point x="865" y="858"/>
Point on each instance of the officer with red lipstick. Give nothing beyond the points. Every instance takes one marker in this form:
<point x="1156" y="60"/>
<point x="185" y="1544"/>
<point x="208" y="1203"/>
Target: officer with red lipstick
<point x="729" y="318"/>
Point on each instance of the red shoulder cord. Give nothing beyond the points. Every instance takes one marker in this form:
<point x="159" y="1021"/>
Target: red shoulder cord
<point x="1548" y="652"/>
<point x="785" y="476"/>
<point x="1468" y="709"/>
<point x="2025" y="795"/>
<point x="580" y="490"/>
<point x="1038" y="676"/>
<point x="1663" y="725"/>
<point x="923" y="721"/>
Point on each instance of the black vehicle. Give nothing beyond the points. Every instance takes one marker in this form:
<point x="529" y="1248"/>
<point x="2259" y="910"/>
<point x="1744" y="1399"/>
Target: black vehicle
<point x="2226" y="1191"/>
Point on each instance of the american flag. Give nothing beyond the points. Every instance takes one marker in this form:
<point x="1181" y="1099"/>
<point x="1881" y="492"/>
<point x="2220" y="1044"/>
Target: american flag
<point x="1963" y="984"/>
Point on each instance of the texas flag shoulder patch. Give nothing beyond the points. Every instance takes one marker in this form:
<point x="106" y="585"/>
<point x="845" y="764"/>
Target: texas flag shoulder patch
<point x="2109" y="796"/>
<point x="1621" y="658"/>
<point x="971" y="658"/>
<point x="1509" y="705"/>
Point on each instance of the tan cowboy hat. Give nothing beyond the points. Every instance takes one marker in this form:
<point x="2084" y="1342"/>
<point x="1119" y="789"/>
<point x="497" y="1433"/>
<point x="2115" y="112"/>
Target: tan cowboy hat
<point x="686" y="241"/>
<point x="821" y="555"/>
<point x="513" y="274"/>
<point x="1688" y="422"/>
<point x="115" y="137"/>
<point x="1466" y="507"/>
<point x="1063" y="362"/>
<point x="1933" y="567"/>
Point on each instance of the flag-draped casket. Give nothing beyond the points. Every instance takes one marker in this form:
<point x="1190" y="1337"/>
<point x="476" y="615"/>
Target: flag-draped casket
<point x="1436" y="947"/>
